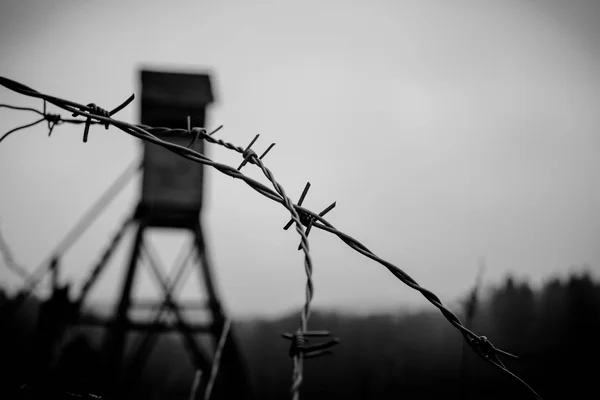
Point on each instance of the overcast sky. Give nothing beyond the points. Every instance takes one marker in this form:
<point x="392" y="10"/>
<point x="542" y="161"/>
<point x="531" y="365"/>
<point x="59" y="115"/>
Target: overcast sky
<point x="445" y="130"/>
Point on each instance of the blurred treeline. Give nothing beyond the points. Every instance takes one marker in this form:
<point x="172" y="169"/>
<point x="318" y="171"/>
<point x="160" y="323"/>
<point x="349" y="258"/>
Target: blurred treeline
<point x="555" y="331"/>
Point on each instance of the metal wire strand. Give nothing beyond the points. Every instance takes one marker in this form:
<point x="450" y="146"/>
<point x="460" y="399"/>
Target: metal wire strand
<point x="305" y="314"/>
<point x="51" y="119"/>
<point x="18" y="128"/>
<point x="217" y="360"/>
<point x="195" y="385"/>
<point x="278" y="195"/>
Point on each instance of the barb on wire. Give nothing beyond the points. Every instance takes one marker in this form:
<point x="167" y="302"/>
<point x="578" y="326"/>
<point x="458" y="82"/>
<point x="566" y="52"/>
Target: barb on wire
<point x="216" y="130"/>
<point x="297" y="357"/>
<point x="248" y="153"/>
<point x="195" y="133"/>
<point x="306" y="219"/>
<point x="266" y="151"/>
<point x="278" y="195"/>
<point x="300" y="343"/>
<point x="95" y="111"/>
<point x="51" y="119"/>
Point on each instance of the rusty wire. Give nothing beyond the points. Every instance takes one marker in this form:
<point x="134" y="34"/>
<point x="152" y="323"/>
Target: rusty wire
<point x="300" y="216"/>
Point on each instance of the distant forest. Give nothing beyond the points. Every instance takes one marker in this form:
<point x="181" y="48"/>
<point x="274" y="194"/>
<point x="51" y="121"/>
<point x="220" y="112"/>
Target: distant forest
<point x="555" y="332"/>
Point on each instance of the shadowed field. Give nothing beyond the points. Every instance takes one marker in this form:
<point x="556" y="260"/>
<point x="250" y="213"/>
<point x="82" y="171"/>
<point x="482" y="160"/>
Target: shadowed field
<point x="414" y="356"/>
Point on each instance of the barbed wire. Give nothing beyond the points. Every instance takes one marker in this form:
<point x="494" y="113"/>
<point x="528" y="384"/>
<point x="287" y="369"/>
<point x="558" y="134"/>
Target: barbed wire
<point x="300" y="217"/>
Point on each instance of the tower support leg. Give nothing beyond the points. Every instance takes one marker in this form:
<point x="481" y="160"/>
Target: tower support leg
<point x="115" y="342"/>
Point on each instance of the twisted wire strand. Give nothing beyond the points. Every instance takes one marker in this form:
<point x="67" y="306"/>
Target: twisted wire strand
<point x="278" y="195"/>
<point x="305" y="314"/>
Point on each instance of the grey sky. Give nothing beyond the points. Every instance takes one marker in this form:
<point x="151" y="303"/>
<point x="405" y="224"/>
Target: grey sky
<point x="445" y="131"/>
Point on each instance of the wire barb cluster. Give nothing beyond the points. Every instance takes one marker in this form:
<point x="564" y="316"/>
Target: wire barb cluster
<point x="303" y="219"/>
<point x="300" y="343"/>
<point x="306" y="219"/>
<point x="51" y="119"/>
<point x="250" y="156"/>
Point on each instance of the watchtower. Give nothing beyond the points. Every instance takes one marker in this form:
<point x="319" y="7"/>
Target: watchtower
<point x="171" y="198"/>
